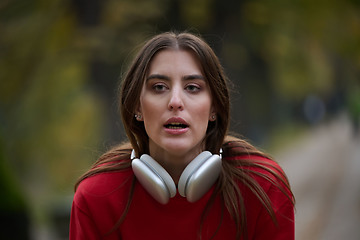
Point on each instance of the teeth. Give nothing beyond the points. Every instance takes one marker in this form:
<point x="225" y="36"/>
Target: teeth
<point x="175" y="125"/>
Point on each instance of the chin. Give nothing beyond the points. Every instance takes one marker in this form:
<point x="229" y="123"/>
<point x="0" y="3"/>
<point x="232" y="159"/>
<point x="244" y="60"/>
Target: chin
<point x="181" y="149"/>
<point x="177" y="149"/>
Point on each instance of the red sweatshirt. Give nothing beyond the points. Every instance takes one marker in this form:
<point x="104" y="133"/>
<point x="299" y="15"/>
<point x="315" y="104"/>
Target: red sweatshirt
<point x="100" y="200"/>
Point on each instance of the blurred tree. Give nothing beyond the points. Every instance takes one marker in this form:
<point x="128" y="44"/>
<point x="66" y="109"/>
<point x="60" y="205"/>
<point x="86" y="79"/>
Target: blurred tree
<point x="51" y="117"/>
<point x="14" y="211"/>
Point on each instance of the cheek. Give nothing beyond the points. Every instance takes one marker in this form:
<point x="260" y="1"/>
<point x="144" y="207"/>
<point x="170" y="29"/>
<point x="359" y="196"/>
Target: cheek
<point x="145" y="104"/>
<point x="205" y="106"/>
<point x="202" y="112"/>
<point x="148" y="113"/>
<point x="149" y="108"/>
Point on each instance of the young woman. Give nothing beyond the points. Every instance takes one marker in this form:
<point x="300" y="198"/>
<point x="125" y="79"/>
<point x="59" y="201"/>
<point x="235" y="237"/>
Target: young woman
<point x="180" y="176"/>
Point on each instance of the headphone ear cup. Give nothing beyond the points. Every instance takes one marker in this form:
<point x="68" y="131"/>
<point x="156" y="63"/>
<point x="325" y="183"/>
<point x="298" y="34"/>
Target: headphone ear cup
<point x="198" y="177"/>
<point x="154" y="178"/>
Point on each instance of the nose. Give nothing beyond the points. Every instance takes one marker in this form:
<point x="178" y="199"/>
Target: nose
<point x="175" y="102"/>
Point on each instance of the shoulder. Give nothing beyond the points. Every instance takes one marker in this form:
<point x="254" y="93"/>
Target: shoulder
<point x="100" y="199"/>
<point x="112" y="168"/>
<point x="104" y="186"/>
<point x="104" y="182"/>
<point x="256" y="163"/>
<point x="265" y="171"/>
<point x="269" y="203"/>
<point x="104" y="195"/>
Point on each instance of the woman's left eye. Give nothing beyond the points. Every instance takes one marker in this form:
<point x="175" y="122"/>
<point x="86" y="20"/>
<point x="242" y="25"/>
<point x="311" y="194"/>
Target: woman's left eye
<point x="193" y="88"/>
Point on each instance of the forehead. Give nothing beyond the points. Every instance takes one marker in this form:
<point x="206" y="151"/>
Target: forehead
<point x="175" y="60"/>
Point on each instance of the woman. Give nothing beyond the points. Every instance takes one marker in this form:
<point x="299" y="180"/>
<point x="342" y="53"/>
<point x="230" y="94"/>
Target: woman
<point x="174" y="105"/>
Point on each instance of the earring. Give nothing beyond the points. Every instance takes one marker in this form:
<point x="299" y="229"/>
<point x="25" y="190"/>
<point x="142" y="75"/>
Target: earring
<point x="138" y="117"/>
<point x="213" y="117"/>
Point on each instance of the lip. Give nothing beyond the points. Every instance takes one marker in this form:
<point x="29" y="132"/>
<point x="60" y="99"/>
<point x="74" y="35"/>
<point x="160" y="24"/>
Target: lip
<point x="176" y="131"/>
<point x="176" y="120"/>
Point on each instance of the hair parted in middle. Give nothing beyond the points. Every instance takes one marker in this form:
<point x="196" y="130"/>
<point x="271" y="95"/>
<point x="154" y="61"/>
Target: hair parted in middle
<point x="214" y="75"/>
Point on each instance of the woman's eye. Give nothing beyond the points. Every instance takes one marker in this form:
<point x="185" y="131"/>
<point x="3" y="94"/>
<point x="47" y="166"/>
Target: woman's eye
<point x="192" y="88"/>
<point x="159" y="87"/>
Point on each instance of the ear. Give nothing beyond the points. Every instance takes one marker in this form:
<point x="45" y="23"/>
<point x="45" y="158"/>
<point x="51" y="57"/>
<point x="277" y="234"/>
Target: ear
<point x="138" y="114"/>
<point x="212" y="116"/>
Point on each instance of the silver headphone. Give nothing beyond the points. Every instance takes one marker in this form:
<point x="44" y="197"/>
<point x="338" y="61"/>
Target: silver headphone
<point x="196" y="179"/>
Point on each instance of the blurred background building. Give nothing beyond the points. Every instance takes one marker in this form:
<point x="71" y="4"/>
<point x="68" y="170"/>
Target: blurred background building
<point x="295" y="73"/>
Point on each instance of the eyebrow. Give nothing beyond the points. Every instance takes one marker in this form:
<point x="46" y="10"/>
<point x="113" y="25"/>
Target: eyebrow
<point x="158" y="76"/>
<point x="194" y="76"/>
<point x="186" y="77"/>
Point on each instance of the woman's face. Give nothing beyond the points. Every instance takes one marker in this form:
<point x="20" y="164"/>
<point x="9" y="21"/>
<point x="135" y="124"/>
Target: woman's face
<point x="175" y="103"/>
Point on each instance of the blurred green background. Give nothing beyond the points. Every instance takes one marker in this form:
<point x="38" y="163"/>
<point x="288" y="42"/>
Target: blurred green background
<point x="293" y="64"/>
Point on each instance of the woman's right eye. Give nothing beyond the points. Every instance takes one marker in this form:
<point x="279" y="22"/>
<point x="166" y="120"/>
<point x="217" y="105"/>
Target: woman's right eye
<point x="159" y="87"/>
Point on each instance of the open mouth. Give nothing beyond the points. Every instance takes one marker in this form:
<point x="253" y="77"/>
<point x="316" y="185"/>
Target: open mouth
<point x="176" y="126"/>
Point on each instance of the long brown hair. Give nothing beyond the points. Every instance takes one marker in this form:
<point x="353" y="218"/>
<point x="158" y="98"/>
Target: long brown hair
<point x="118" y="157"/>
<point x="135" y="77"/>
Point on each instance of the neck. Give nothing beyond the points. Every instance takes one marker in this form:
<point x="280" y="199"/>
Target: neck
<point x="172" y="163"/>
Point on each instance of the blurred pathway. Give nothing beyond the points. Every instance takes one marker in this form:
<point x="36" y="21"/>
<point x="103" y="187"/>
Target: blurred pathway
<point x="324" y="171"/>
